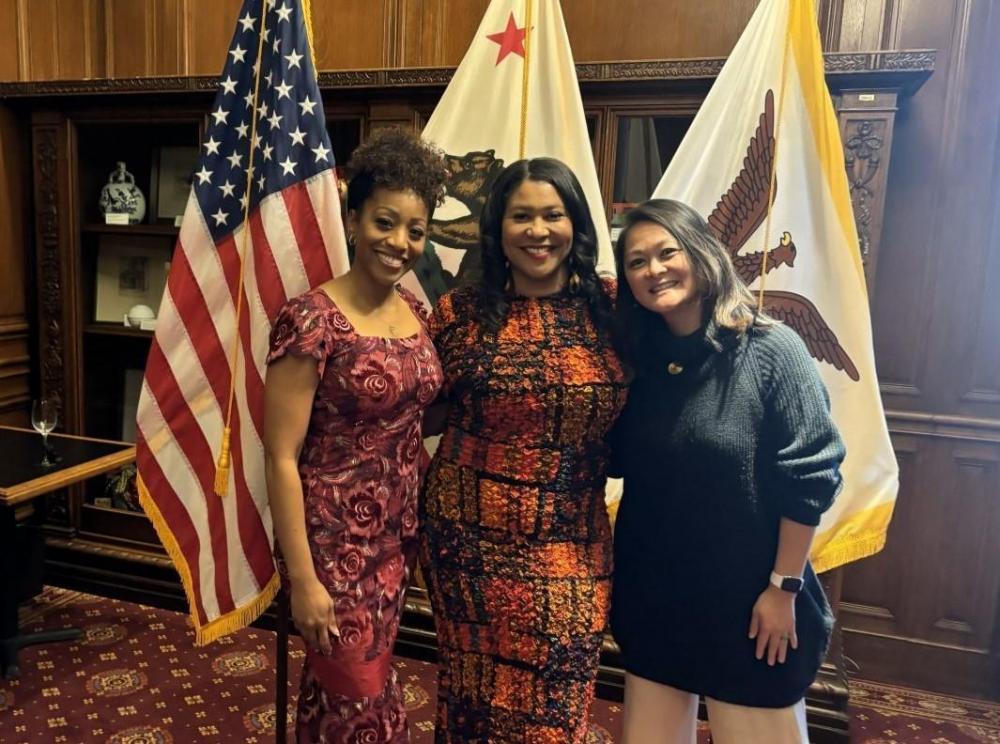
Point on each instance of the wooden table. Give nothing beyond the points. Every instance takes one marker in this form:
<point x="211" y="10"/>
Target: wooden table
<point x="23" y="479"/>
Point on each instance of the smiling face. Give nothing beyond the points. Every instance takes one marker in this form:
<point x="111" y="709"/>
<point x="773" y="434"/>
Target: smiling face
<point x="537" y="237"/>
<point x="390" y="231"/>
<point x="660" y="276"/>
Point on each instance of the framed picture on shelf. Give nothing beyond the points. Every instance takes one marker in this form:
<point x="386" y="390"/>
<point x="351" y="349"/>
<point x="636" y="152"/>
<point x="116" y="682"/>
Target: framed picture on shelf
<point x="129" y="273"/>
<point x="171" y="181"/>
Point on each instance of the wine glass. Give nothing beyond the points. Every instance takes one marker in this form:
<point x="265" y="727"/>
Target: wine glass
<point x="44" y="417"/>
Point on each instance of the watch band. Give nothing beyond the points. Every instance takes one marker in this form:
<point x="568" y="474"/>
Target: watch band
<point x="792" y="584"/>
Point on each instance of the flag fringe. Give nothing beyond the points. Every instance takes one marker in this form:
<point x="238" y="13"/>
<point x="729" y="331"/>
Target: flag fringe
<point x="847" y="550"/>
<point x="228" y="623"/>
<point x="239" y="618"/>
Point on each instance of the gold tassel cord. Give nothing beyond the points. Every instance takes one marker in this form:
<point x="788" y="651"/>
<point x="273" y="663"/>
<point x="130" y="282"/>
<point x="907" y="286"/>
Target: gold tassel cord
<point x="221" y="485"/>
<point x="774" y="167"/>
<point x="525" y="77"/>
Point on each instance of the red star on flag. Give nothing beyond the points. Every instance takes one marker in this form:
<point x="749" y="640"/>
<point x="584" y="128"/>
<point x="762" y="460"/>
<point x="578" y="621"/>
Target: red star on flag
<point x="511" y="39"/>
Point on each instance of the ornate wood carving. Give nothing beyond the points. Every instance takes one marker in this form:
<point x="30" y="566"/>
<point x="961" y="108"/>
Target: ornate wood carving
<point x="862" y="158"/>
<point x="916" y="59"/>
<point x="917" y="63"/>
<point x="49" y="279"/>
<point x="50" y="287"/>
<point x="866" y="122"/>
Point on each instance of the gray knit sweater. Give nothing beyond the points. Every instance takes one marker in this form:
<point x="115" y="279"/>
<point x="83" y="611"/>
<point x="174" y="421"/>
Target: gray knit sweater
<point x="713" y="458"/>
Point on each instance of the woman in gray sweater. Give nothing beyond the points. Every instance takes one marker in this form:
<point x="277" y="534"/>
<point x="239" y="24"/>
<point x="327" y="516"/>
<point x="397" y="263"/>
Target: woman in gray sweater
<point x="729" y="455"/>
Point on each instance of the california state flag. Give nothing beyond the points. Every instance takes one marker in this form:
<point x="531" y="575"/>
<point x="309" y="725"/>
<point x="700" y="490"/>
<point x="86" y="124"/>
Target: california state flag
<point x="514" y="96"/>
<point x="770" y="111"/>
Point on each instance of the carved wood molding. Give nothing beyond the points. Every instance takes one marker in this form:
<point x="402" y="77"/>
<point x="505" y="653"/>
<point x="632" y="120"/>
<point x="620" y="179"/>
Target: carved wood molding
<point x="906" y="69"/>
<point x="49" y="276"/>
<point x="967" y="428"/>
<point x="863" y="143"/>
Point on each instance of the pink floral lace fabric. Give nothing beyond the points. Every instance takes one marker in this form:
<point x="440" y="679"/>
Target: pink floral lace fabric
<point x="360" y="475"/>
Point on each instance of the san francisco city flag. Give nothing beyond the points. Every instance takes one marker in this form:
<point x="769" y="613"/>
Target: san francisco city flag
<point x="515" y="95"/>
<point x="768" y="112"/>
<point x="262" y="225"/>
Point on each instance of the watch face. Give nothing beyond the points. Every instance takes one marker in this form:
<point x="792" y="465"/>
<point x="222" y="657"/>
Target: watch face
<point x="791" y="584"/>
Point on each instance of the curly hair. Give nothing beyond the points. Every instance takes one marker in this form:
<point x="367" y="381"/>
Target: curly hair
<point x="582" y="260"/>
<point x="396" y="159"/>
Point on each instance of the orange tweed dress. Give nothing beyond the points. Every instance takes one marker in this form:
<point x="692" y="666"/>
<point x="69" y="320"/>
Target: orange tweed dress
<point x="515" y="539"/>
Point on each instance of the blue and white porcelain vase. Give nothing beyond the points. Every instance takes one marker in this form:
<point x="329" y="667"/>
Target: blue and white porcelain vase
<point x="120" y="195"/>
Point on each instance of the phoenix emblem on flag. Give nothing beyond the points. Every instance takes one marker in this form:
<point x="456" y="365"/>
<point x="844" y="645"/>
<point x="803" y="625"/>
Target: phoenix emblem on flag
<point x="736" y="217"/>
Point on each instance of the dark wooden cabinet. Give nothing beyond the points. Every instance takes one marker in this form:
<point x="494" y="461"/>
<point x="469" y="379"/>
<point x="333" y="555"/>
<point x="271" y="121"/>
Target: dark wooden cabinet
<point x="80" y="130"/>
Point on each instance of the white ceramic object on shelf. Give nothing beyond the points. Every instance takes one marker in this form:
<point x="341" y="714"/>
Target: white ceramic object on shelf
<point x="140" y="316"/>
<point x="120" y="195"/>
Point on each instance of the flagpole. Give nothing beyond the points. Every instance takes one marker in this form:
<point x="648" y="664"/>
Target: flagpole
<point x="222" y="466"/>
<point x="525" y="78"/>
<point x="774" y="163"/>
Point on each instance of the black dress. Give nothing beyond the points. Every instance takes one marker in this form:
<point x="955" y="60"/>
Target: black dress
<point x="713" y="458"/>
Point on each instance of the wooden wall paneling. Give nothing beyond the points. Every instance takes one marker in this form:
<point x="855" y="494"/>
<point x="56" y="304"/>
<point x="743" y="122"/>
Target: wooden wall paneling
<point x="38" y="31"/>
<point x="15" y="352"/>
<point x="924" y="611"/>
<point x="964" y="578"/>
<point x="653" y="29"/>
<point x="129" y="33"/>
<point x="209" y="28"/>
<point x="966" y="363"/>
<point x="830" y="13"/>
<point x="10" y="52"/>
<point x="422" y="36"/>
<point x="81" y="44"/>
<point x="901" y="311"/>
<point x="350" y="35"/>
<point x="170" y="41"/>
<point x="459" y="24"/>
<point x="865" y="24"/>
<point x="875" y="592"/>
<point x="981" y="388"/>
<point x="60" y="40"/>
<point x="392" y="34"/>
<point x="866" y="124"/>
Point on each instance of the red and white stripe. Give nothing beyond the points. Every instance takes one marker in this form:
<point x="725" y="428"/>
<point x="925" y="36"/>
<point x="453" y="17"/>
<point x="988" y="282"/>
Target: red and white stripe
<point x="296" y="242"/>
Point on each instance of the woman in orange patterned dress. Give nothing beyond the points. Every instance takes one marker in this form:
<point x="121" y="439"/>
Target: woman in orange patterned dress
<point x="515" y="539"/>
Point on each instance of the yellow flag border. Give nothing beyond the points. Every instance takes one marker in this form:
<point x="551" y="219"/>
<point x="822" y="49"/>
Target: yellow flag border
<point x="807" y="51"/>
<point x="223" y="625"/>
<point x="854" y="539"/>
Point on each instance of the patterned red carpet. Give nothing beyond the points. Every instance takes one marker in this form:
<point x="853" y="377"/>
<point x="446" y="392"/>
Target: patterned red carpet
<point x="136" y="678"/>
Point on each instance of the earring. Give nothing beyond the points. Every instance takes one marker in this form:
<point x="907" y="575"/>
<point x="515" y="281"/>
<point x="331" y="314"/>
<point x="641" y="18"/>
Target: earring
<point x="351" y="241"/>
<point x="574" y="282"/>
<point x="509" y="284"/>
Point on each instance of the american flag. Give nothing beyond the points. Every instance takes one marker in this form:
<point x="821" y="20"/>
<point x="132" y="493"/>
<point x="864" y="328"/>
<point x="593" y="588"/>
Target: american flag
<point x="293" y="240"/>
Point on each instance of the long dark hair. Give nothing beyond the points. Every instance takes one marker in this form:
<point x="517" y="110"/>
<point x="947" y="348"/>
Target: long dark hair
<point x="728" y="307"/>
<point x="582" y="260"/>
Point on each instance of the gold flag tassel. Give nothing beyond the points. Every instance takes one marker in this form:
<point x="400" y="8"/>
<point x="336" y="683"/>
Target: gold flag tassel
<point x="221" y="485"/>
<point x="774" y="166"/>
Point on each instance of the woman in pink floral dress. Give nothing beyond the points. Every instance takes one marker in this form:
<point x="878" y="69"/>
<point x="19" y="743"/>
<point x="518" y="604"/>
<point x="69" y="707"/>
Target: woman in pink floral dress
<point x="352" y="369"/>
